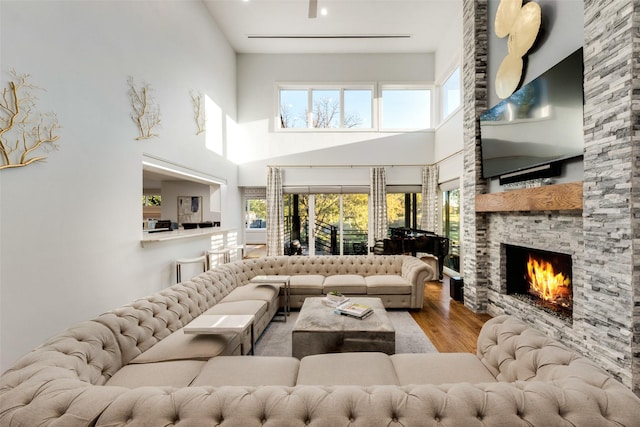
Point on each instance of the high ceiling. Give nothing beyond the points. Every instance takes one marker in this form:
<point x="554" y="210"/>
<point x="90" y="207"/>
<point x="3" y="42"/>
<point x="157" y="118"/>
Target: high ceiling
<point x="284" y="26"/>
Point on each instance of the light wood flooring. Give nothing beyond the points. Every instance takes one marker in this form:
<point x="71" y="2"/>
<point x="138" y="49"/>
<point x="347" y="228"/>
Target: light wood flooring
<point x="451" y="327"/>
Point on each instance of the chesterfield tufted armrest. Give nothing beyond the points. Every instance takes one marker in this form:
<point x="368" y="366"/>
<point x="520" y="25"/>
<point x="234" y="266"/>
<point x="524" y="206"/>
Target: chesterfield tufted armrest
<point x="513" y="351"/>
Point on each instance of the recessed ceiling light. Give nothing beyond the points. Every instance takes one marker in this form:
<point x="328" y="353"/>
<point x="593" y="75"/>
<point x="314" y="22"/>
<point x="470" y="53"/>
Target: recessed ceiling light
<point x="324" y="11"/>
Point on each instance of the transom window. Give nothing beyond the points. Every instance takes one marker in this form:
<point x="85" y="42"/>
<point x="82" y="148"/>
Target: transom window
<point x="370" y="107"/>
<point x="405" y="108"/>
<point x="326" y="107"/>
<point x="451" y="93"/>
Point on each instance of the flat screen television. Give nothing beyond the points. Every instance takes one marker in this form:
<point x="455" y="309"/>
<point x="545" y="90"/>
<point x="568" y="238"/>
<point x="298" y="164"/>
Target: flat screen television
<point x="540" y="125"/>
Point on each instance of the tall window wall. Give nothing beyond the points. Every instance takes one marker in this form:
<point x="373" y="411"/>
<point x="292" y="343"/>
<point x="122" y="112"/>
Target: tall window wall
<point x="327" y="223"/>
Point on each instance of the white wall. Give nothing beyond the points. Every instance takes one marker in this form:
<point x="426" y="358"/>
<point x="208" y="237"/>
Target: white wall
<point x="449" y="132"/>
<point x="171" y="190"/>
<point x="262" y="146"/>
<point x="257" y="96"/>
<point x="402" y="150"/>
<point x="71" y="227"/>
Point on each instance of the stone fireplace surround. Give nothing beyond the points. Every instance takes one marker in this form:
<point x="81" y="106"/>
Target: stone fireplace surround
<point x="556" y="232"/>
<point x="522" y="262"/>
<point x="600" y="237"/>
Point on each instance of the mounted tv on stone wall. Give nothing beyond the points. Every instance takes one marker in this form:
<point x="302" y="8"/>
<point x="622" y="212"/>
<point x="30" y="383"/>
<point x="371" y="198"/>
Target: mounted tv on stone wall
<point x="533" y="131"/>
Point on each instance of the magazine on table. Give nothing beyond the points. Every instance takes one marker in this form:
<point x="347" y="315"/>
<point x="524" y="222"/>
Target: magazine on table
<point x="335" y="303"/>
<point x="355" y="310"/>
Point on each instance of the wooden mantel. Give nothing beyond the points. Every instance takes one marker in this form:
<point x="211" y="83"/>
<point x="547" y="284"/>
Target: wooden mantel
<point x="558" y="197"/>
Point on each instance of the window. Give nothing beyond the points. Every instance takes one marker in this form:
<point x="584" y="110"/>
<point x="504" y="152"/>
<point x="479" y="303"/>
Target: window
<point x="152" y="200"/>
<point x="357" y="108"/>
<point x="151" y="206"/>
<point x="327" y="223"/>
<point x="293" y="108"/>
<point x="451" y="93"/>
<point x="326" y="107"/>
<point x="451" y="226"/>
<point x="256" y="213"/>
<point x="405" y="108"/>
<point x="404" y="210"/>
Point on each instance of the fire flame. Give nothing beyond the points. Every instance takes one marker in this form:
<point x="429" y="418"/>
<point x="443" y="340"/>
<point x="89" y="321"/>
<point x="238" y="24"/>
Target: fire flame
<point x="546" y="284"/>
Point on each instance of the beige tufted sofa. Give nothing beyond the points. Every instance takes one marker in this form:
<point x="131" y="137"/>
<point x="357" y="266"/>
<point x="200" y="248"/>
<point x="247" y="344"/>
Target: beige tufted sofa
<point x="518" y="377"/>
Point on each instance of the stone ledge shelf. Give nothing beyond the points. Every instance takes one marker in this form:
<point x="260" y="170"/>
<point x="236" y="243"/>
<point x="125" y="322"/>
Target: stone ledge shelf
<point x="166" y="236"/>
<point x="558" y="197"/>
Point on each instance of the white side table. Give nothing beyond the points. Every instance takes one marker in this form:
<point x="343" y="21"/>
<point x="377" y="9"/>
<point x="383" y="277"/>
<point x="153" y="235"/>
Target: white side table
<point x="285" y="284"/>
<point x="214" y="324"/>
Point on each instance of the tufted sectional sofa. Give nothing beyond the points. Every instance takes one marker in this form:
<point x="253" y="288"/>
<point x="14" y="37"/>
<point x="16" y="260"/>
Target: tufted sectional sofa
<point x="117" y="370"/>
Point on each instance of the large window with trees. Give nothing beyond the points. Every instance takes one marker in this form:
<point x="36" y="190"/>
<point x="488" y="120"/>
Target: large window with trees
<point x="404" y="209"/>
<point x="325" y="107"/>
<point x="256" y="213"/>
<point x="326" y="223"/>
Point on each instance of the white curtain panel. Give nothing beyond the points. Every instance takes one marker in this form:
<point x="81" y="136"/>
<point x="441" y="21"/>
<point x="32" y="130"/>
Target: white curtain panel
<point x="275" y="213"/>
<point x="378" y="195"/>
<point x="429" y="220"/>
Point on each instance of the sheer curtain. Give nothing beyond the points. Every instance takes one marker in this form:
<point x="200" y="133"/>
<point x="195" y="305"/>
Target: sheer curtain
<point x="378" y="196"/>
<point x="429" y="219"/>
<point x="275" y="213"/>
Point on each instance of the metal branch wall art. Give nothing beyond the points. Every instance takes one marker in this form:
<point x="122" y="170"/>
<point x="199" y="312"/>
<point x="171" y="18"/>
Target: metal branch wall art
<point x="197" y="101"/>
<point x="521" y="24"/>
<point x="145" y="112"/>
<point x="25" y="134"/>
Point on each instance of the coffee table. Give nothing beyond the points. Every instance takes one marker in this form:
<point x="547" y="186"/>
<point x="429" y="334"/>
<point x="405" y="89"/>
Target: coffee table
<point x="319" y="330"/>
<point x="214" y="324"/>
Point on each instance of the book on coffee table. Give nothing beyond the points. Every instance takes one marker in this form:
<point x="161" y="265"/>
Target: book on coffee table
<point x="335" y="303"/>
<point x="356" y="310"/>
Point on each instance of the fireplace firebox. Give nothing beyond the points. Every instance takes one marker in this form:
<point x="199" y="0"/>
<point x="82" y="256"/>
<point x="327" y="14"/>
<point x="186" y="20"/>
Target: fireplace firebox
<point x="540" y="278"/>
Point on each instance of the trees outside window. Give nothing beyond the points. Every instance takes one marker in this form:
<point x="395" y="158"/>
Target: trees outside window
<point x="404" y="210"/>
<point x="338" y="223"/>
<point x="326" y="108"/>
<point x="256" y="213"/>
<point x="151" y="206"/>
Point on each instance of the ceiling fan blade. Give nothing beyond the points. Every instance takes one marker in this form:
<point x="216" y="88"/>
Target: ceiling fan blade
<point x="313" y="8"/>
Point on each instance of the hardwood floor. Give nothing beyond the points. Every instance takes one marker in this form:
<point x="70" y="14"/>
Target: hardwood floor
<point x="450" y="326"/>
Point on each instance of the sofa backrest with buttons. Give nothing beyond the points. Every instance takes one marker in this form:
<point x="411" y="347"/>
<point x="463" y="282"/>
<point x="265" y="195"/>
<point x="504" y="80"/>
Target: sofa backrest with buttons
<point x="61" y="382"/>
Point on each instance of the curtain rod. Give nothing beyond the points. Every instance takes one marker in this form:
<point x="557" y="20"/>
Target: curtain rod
<point x="364" y="166"/>
<point x="342" y="166"/>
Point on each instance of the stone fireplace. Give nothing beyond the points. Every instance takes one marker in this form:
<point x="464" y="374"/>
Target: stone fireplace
<point x="602" y="234"/>
<point x="540" y="278"/>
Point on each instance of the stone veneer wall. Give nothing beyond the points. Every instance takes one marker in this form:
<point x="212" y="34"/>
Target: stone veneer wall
<point x="604" y="239"/>
<point x="474" y="75"/>
<point x="611" y="181"/>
